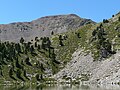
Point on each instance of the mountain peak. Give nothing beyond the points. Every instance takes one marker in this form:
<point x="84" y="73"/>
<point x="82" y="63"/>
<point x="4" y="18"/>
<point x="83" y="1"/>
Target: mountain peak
<point x="42" y="27"/>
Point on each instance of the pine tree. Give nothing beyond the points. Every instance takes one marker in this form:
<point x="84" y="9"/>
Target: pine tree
<point x="119" y="18"/>
<point x="102" y="43"/>
<point x="22" y="40"/>
<point x="52" y="33"/>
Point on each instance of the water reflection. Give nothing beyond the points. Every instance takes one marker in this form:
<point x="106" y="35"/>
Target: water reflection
<point x="84" y="87"/>
<point x="62" y="87"/>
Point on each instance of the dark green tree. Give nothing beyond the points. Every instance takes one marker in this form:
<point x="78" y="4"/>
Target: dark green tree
<point x="22" y="40"/>
<point x="27" y="61"/>
<point x="18" y="74"/>
<point x="119" y="18"/>
<point x="52" y="33"/>
<point x="11" y="73"/>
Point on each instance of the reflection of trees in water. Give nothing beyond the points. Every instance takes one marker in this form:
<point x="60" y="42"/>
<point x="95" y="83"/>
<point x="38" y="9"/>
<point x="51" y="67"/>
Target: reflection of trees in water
<point x="45" y="87"/>
<point x="68" y="86"/>
<point x="18" y="88"/>
<point x="61" y="87"/>
<point x="85" y="87"/>
<point x="39" y="88"/>
<point x="23" y="88"/>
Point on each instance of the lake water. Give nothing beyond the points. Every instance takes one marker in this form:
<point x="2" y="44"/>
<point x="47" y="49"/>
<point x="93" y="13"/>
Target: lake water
<point x="63" y="87"/>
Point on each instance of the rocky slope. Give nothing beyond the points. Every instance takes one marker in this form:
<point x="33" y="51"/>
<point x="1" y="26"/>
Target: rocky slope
<point x="41" y="27"/>
<point x="95" y="64"/>
<point x="98" y="72"/>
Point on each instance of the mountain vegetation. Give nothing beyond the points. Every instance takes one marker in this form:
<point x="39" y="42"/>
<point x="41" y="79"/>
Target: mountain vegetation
<point x="38" y="58"/>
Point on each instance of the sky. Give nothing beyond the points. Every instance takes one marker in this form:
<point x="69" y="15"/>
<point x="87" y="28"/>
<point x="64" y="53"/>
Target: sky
<point x="28" y="10"/>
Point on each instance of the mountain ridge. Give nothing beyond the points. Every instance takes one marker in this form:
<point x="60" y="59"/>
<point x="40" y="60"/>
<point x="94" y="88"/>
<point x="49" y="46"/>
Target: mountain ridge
<point x="41" y="27"/>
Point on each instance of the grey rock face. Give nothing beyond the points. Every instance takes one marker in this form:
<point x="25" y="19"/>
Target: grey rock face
<point x="102" y="72"/>
<point x="41" y="27"/>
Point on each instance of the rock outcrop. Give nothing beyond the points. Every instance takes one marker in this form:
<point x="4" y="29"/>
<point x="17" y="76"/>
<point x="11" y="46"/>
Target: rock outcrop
<point x="103" y="72"/>
<point x="41" y="27"/>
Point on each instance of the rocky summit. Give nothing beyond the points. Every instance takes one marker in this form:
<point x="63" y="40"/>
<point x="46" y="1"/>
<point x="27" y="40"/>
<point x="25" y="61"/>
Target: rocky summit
<point x="44" y="26"/>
